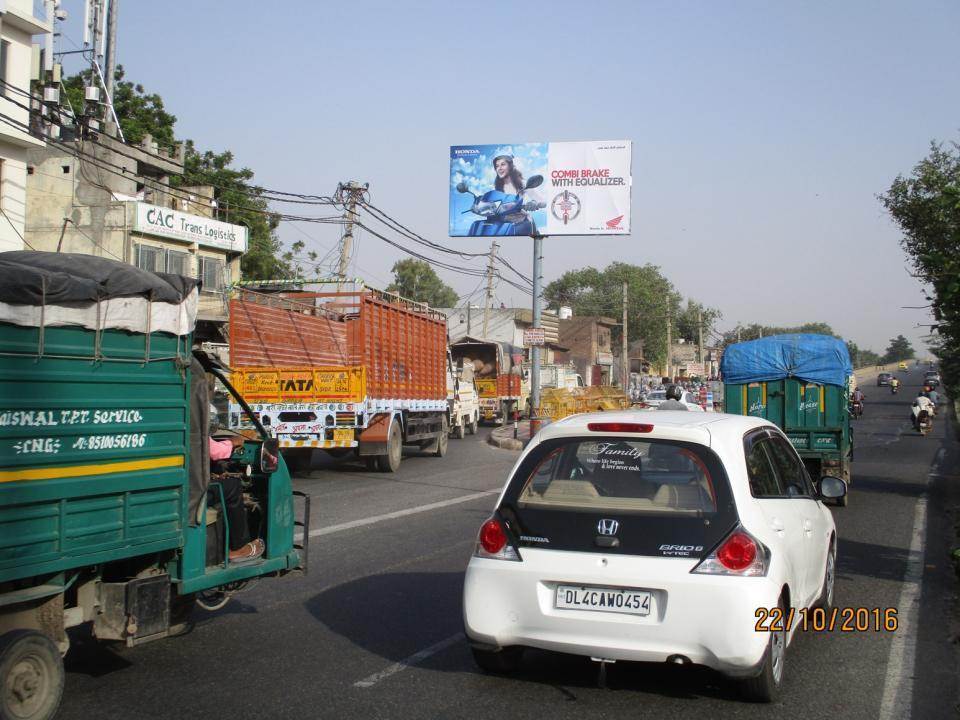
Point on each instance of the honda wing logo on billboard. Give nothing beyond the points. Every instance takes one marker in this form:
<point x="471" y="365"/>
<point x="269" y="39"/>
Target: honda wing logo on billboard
<point x="566" y="188"/>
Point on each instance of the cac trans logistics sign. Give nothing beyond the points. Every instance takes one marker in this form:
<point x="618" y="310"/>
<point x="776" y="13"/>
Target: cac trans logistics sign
<point x="564" y="188"/>
<point x="164" y="222"/>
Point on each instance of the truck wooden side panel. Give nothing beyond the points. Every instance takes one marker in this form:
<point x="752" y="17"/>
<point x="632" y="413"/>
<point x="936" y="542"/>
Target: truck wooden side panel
<point x="265" y="331"/>
<point x="399" y="346"/>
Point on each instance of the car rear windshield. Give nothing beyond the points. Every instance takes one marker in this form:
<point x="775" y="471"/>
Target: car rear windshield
<point x="624" y="475"/>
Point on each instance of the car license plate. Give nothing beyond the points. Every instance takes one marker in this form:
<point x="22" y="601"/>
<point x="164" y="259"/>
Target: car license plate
<point x="603" y="599"/>
<point x="343" y="435"/>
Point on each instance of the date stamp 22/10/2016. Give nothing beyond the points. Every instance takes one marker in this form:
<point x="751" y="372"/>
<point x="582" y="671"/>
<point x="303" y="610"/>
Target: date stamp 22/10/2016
<point x="845" y="619"/>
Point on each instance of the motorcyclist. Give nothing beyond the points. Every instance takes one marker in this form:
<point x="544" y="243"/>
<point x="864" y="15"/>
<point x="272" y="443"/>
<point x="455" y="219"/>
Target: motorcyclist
<point x="674" y="394"/>
<point x="856" y="401"/>
<point x="933" y="395"/>
<point x="894" y="384"/>
<point x="922" y="404"/>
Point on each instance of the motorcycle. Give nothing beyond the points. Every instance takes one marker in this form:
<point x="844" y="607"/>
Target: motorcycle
<point x="922" y="422"/>
<point x="894" y="389"/>
<point x="856" y="409"/>
<point x="503" y="213"/>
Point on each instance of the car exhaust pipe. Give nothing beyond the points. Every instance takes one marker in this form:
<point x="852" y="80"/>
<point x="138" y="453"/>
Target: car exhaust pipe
<point x="679" y="660"/>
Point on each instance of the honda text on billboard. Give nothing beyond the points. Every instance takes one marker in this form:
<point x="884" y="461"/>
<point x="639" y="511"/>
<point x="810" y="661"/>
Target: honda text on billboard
<point x="564" y="188"/>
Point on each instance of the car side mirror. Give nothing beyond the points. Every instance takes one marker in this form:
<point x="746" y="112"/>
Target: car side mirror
<point x="534" y="181"/>
<point x="270" y="455"/>
<point x="831" y="488"/>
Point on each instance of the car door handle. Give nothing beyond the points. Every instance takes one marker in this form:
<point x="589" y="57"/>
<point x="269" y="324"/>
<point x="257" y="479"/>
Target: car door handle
<point x="807" y="526"/>
<point x="776" y="525"/>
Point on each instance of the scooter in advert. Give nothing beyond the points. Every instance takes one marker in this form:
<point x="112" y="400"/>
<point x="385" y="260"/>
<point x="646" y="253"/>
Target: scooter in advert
<point x="502" y="213"/>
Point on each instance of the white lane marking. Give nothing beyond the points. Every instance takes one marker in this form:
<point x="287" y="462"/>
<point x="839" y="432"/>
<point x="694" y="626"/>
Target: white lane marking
<point x="398" y="514"/>
<point x="414" y="659"/>
<point x="897" y="700"/>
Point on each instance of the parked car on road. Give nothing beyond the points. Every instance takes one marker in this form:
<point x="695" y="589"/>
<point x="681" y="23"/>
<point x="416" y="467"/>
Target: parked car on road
<point x="654" y="537"/>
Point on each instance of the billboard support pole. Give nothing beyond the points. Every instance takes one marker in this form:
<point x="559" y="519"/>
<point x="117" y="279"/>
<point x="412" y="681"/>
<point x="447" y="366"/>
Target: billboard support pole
<point x="535" y="350"/>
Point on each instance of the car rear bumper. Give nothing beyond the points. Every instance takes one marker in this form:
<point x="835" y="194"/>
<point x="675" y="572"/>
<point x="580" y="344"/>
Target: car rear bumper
<point x="710" y="620"/>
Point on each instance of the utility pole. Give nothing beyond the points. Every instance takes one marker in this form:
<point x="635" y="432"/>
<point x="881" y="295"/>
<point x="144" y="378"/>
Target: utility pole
<point x="625" y="370"/>
<point x="669" y="339"/>
<point x="348" y="193"/>
<point x="110" y="59"/>
<point x="738" y="333"/>
<point x="535" y="350"/>
<point x="489" y="300"/>
<point x="700" y="336"/>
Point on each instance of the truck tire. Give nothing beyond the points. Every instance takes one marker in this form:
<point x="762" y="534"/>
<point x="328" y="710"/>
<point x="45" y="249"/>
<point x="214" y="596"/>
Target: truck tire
<point x="460" y="429"/>
<point x="472" y="429"/>
<point x="440" y="448"/>
<point x="31" y="676"/>
<point x="390" y="462"/>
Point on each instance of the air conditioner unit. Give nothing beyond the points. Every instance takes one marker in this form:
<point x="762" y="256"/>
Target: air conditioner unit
<point x="51" y="95"/>
<point x="92" y="94"/>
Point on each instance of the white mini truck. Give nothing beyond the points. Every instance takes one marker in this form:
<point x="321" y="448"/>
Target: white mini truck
<point x="655" y="537"/>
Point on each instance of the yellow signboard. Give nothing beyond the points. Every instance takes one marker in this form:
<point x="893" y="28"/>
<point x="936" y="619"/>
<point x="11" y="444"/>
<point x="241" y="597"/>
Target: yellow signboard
<point x="273" y="384"/>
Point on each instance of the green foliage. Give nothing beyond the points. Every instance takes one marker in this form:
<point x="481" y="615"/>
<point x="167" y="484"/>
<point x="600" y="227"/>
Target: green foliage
<point x="689" y="318"/>
<point x="139" y="113"/>
<point x="899" y="349"/>
<point x="926" y="206"/>
<point x="861" y="358"/>
<point x="755" y="331"/>
<point x="649" y="295"/>
<point x="416" y="280"/>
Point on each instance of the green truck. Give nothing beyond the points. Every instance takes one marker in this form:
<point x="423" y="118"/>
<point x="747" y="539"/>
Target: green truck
<point x="799" y="382"/>
<point x="109" y="515"/>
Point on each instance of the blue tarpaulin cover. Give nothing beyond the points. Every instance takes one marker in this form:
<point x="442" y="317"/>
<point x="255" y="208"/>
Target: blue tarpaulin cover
<point x="812" y="358"/>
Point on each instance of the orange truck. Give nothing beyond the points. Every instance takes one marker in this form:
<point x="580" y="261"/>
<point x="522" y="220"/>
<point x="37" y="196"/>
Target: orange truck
<point x="498" y="377"/>
<point x="349" y="371"/>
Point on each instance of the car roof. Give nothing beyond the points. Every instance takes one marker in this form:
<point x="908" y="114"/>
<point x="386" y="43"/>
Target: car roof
<point x="702" y="428"/>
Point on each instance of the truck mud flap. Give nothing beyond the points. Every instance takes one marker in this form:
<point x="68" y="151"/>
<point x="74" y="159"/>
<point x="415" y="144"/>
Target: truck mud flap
<point x="136" y="611"/>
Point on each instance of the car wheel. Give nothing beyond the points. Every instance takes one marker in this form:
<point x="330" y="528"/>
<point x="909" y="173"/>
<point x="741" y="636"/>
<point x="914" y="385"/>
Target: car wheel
<point x="766" y="686"/>
<point x="825" y="600"/>
<point x="499" y="662"/>
<point x="31" y="676"/>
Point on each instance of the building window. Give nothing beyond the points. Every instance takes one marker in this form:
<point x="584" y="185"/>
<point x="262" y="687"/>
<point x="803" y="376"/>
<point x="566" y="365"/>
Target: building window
<point x="149" y="258"/>
<point x="212" y="274"/>
<point x="178" y="263"/>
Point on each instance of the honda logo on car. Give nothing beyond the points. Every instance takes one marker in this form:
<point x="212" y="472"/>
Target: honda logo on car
<point x="608" y="527"/>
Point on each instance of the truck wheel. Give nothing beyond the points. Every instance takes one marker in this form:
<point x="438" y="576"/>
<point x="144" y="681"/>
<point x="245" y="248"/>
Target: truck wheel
<point x="473" y="426"/>
<point x="440" y="449"/>
<point x="461" y="428"/>
<point x="391" y="461"/>
<point x="31" y="676"/>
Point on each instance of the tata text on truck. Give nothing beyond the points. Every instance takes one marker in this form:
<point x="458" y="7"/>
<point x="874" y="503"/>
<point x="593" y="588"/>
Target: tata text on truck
<point x="498" y="378"/>
<point x="799" y="382"/>
<point x="353" y="371"/>
<point x="104" y="477"/>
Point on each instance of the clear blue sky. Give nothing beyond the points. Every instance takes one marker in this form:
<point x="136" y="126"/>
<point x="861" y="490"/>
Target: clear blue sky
<point x="762" y="131"/>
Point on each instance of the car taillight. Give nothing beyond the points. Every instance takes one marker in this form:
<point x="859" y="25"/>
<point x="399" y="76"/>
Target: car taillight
<point x="493" y="543"/>
<point x="739" y="554"/>
<point x="619" y="427"/>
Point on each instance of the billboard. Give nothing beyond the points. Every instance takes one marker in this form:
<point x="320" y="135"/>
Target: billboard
<point x="562" y="188"/>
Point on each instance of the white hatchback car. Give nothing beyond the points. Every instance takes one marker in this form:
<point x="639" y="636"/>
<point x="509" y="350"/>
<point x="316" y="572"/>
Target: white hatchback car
<point x="654" y="537"/>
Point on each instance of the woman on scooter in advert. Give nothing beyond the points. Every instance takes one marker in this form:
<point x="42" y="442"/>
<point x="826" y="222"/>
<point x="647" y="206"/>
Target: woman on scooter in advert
<point x="504" y="209"/>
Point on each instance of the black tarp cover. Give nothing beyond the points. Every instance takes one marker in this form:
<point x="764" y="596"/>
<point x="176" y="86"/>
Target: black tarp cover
<point x="31" y="278"/>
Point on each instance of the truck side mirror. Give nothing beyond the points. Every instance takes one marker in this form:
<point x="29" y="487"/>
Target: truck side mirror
<point x="270" y="455"/>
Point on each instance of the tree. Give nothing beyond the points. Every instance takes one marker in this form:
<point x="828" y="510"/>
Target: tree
<point x="139" y="113"/>
<point x="416" y="280"/>
<point x="600" y="292"/>
<point x="755" y="330"/>
<point x="899" y="349"/>
<point x="861" y="358"/>
<point x="689" y="318"/>
<point x="926" y="206"/>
